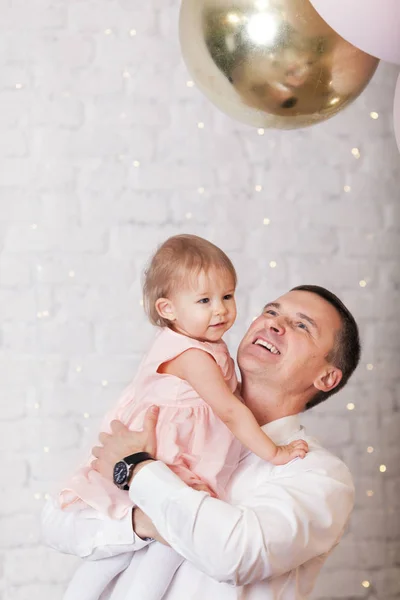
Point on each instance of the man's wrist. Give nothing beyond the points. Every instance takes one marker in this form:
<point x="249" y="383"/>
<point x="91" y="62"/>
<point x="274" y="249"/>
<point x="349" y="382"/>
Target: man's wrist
<point x="124" y="469"/>
<point x="137" y="468"/>
<point x="137" y="530"/>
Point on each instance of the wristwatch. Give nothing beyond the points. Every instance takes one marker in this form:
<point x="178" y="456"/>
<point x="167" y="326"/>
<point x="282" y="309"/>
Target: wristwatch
<point x="124" y="468"/>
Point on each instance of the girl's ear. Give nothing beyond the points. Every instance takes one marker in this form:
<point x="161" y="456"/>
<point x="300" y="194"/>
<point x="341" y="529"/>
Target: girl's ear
<point x="165" y="309"/>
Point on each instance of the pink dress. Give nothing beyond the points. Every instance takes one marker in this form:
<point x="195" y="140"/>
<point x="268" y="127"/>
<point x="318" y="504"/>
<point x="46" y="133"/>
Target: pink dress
<point x="191" y="439"/>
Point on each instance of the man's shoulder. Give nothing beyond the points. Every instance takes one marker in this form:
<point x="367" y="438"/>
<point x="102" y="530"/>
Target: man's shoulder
<point x="323" y="462"/>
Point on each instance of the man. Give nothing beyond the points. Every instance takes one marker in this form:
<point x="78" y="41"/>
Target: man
<point x="271" y="537"/>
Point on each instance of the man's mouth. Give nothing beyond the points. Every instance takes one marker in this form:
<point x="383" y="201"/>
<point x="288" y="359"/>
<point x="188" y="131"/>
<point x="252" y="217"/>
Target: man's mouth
<point x="267" y="345"/>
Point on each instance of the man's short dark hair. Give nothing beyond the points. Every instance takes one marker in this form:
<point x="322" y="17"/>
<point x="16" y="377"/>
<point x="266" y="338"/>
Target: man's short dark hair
<point x="345" y="354"/>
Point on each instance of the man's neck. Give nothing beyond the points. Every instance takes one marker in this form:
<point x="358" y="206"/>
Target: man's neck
<point x="268" y="404"/>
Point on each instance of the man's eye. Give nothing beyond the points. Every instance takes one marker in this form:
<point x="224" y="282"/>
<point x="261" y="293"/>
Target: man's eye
<point x="271" y="312"/>
<point x="302" y="326"/>
<point x="204" y="301"/>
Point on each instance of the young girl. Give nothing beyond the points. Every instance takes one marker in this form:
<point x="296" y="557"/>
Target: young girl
<point x="189" y="293"/>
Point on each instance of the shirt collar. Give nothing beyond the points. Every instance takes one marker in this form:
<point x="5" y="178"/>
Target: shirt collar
<point x="281" y="430"/>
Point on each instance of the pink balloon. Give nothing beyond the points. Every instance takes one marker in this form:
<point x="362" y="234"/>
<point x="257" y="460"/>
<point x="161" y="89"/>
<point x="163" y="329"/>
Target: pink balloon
<point x="371" y="25"/>
<point x="396" y="112"/>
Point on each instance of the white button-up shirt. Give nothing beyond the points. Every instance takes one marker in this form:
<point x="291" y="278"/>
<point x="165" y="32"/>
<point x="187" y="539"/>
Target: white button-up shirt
<point x="268" y="541"/>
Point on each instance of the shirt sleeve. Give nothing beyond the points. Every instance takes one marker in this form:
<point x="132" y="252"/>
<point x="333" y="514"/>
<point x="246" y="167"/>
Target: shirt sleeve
<point x="286" y="522"/>
<point x="87" y="533"/>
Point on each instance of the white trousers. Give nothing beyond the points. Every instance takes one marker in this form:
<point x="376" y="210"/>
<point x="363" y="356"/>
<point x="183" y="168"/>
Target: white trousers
<point x="149" y="582"/>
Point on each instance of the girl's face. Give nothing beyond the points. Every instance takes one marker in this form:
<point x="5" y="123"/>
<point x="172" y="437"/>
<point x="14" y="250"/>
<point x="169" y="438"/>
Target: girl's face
<point x="205" y="308"/>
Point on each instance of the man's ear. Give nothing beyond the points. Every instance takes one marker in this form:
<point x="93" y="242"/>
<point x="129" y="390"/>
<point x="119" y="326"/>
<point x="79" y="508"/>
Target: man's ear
<point x="328" y="379"/>
<point x="165" y="309"/>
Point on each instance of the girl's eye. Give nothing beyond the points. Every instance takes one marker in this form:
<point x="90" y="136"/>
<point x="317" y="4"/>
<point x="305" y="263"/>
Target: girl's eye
<point x="228" y="297"/>
<point x="302" y="326"/>
<point x="204" y="301"/>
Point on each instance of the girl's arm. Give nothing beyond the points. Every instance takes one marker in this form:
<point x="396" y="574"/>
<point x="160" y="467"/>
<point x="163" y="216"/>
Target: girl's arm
<point x="201" y="371"/>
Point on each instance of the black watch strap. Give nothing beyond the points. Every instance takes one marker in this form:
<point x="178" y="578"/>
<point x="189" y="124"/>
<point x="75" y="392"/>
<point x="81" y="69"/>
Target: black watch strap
<point x="138" y="457"/>
<point x="124" y="468"/>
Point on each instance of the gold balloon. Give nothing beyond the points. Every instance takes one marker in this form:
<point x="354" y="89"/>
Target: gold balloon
<point x="271" y="63"/>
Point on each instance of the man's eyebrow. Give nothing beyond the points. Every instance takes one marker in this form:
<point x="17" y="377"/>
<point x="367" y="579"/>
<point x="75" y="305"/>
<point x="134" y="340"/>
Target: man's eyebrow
<point x="309" y="320"/>
<point x="274" y="304"/>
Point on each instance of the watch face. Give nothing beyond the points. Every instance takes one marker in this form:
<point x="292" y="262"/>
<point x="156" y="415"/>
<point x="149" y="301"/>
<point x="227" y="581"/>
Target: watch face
<point x="120" y="473"/>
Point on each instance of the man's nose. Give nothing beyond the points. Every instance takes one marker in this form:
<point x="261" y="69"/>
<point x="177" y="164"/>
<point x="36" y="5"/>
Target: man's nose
<point x="278" y="326"/>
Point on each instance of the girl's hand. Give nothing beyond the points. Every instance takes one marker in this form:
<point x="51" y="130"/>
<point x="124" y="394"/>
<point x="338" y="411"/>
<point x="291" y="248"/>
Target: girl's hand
<point x="285" y="454"/>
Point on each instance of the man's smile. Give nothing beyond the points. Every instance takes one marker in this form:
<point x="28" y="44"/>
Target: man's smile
<point x="267" y="344"/>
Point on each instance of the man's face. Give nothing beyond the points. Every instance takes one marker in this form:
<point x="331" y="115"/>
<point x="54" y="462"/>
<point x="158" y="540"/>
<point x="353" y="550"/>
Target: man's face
<point x="288" y="343"/>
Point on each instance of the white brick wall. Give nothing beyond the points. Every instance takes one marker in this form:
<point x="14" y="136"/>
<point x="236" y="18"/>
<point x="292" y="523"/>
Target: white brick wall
<point x="81" y="99"/>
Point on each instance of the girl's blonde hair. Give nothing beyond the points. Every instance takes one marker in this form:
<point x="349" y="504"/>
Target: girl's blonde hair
<point x="176" y="262"/>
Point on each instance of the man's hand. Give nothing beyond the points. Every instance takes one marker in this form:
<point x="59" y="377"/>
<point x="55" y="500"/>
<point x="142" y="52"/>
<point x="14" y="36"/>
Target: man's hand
<point x="143" y="526"/>
<point x="121" y="442"/>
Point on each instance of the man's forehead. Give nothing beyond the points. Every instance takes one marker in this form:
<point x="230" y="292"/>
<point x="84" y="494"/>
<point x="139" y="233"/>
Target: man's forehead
<point x="297" y="298"/>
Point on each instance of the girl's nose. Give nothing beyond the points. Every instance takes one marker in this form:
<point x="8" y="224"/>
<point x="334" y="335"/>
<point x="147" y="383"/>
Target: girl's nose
<point x="220" y="309"/>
